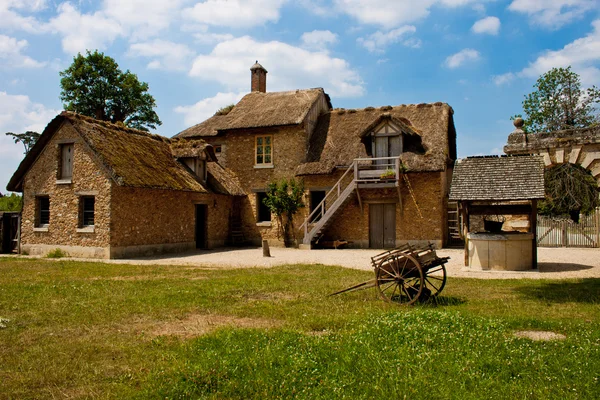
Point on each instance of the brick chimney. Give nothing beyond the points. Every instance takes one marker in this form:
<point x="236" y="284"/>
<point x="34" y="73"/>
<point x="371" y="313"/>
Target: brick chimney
<point x="259" y="78"/>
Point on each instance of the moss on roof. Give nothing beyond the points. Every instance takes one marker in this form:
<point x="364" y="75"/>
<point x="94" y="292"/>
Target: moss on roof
<point x="338" y="137"/>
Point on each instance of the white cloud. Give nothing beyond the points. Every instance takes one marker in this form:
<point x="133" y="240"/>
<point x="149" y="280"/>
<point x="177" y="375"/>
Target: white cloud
<point x="235" y="13"/>
<point x="378" y="41"/>
<point x="317" y="7"/>
<point x="553" y="14"/>
<point x="212" y="38"/>
<point x="10" y="14"/>
<point x="318" y="40"/>
<point x="83" y="31"/>
<point x="503" y="79"/>
<point x="164" y="54"/>
<point x="18" y="114"/>
<point x="11" y="56"/>
<point x="205" y="108"/>
<point x="290" y="67"/>
<point x="487" y="25"/>
<point x="390" y="14"/>
<point x="582" y="54"/>
<point x="460" y="58"/>
<point x="143" y="18"/>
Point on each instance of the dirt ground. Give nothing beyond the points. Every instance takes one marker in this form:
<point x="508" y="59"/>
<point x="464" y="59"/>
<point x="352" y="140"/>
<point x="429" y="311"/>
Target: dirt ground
<point x="553" y="263"/>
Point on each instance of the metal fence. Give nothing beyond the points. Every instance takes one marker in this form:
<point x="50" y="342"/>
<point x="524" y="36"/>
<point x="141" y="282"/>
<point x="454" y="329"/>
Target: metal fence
<point x="566" y="233"/>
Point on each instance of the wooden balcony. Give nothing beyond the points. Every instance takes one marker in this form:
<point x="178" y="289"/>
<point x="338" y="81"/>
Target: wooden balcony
<point x="380" y="172"/>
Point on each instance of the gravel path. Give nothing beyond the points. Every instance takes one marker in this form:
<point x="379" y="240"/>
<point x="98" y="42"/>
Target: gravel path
<point x="554" y="263"/>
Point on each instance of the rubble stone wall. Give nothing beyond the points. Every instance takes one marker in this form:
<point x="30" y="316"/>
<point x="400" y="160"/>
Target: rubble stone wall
<point x="64" y="231"/>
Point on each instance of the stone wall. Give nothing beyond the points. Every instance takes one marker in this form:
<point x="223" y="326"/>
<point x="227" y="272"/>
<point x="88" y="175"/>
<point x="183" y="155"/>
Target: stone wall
<point x="63" y="230"/>
<point x="353" y="225"/>
<point x="289" y="150"/>
<point x="148" y="221"/>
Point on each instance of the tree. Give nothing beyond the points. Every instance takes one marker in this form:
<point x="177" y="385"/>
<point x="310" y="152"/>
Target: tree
<point x="28" y="139"/>
<point x="14" y="202"/>
<point x="570" y="190"/>
<point x="95" y="86"/>
<point x="284" y="199"/>
<point x="559" y="103"/>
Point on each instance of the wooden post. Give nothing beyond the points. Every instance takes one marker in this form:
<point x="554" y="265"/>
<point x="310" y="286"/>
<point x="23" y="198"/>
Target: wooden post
<point x="464" y="210"/>
<point x="265" y="247"/>
<point x="533" y="228"/>
<point x="598" y="227"/>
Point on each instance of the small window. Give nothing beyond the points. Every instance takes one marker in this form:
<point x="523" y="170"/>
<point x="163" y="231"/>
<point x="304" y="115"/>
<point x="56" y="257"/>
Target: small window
<point x="262" y="211"/>
<point x="66" y="161"/>
<point x="217" y="148"/>
<point x="42" y="219"/>
<point x="264" y="150"/>
<point x="86" y="210"/>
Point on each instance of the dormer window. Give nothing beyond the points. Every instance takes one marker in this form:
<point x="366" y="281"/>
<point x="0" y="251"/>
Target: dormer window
<point x="197" y="165"/>
<point x="387" y="141"/>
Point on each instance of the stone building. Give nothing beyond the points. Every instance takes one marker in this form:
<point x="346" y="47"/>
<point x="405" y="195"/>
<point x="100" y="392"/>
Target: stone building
<point x="96" y="189"/>
<point x="374" y="177"/>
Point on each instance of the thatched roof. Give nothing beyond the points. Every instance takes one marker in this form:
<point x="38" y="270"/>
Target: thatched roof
<point x="430" y="143"/>
<point x="498" y="178"/>
<point x="223" y="180"/>
<point x="260" y="110"/>
<point x="183" y="147"/>
<point x="129" y="156"/>
<point x="206" y="128"/>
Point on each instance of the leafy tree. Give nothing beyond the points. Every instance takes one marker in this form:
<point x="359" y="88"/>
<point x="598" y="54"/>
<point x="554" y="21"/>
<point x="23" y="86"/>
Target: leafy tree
<point x="570" y="190"/>
<point x="95" y="86"/>
<point x="284" y="199"/>
<point x="28" y="139"/>
<point x="559" y="102"/>
<point x="14" y="202"/>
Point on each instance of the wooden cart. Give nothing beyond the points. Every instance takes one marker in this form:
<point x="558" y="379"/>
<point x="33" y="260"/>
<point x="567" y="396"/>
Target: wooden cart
<point x="406" y="274"/>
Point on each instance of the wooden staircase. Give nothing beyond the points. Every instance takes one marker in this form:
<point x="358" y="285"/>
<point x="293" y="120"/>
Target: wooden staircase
<point x="366" y="174"/>
<point x="454" y="236"/>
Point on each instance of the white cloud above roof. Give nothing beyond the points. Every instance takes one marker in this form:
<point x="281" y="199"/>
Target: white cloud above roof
<point x="459" y="59"/>
<point x="11" y="54"/>
<point x="292" y="67"/>
<point x="235" y="13"/>
<point x="318" y="40"/>
<point x="487" y="25"/>
<point x="164" y="54"/>
<point x="378" y="41"/>
<point x="553" y="14"/>
<point x="206" y="108"/>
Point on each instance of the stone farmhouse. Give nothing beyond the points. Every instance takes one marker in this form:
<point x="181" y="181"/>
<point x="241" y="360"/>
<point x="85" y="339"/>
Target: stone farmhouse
<point x="374" y="177"/>
<point x="96" y="189"/>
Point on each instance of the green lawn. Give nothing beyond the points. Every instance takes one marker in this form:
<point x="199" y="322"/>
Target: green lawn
<point x="93" y="330"/>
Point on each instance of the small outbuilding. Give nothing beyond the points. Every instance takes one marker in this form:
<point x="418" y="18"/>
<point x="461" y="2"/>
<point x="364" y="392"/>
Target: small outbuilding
<point x="499" y="186"/>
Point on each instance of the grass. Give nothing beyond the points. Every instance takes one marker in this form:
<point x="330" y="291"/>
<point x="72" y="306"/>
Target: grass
<point x="93" y="330"/>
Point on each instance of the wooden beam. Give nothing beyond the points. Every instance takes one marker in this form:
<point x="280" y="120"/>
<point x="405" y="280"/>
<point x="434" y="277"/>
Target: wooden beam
<point x="533" y="229"/>
<point x="359" y="199"/>
<point x="501" y="209"/>
<point x="463" y="206"/>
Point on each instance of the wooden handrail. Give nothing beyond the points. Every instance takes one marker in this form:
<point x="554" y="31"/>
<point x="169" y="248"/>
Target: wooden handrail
<point x="321" y="206"/>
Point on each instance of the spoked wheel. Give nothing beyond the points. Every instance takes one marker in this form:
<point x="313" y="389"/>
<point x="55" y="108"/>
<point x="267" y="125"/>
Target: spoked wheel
<point x="399" y="279"/>
<point x="435" y="280"/>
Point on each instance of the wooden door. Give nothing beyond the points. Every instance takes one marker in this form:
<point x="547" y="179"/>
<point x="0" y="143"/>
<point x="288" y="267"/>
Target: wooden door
<point x="381" y="149"/>
<point x="316" y="197"/>
<point x="201" y="225"/>
<point x="382" y="226"/>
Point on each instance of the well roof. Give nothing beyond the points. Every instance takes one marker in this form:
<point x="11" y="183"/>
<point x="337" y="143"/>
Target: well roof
<point x="498" y="178"/>
<point x="129" y="156"/>
<point x="338" y="137"/>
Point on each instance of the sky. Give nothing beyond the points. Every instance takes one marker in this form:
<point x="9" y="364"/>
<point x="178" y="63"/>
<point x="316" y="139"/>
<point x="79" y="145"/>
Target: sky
<point x="479" y="56"/>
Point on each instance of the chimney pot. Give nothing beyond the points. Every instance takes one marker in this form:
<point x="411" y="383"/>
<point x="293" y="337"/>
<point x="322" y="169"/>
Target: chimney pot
<point x="258" y="75"/>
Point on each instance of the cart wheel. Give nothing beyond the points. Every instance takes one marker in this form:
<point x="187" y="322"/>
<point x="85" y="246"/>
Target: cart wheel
<point x="399" y="279"/>
<point x="435" y="280"/>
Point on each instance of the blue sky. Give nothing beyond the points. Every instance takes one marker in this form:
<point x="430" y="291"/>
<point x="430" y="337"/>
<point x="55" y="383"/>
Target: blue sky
<point x="481" y="57"/>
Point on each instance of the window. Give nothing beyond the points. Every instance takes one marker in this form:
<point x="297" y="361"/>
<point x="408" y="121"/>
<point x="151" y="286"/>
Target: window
<point x="42" y="212"/>
<point x="264" y="150"/>
<point x="65" y="171"/>
<point x="263" y="212"/>
<point x="197" y="165"/>
<point x="218" y="148"/>
<point x="86" y="211"/>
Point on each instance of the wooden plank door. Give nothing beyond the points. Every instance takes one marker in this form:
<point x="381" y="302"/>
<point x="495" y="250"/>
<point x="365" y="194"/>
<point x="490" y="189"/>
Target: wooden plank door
<point x="201" y="225"/>
<point x="382" y="226"/>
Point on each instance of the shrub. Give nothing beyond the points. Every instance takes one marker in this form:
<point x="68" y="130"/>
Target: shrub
<point x="57" y="253"/>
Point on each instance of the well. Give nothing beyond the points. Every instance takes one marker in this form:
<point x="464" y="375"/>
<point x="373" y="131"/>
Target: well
<point x="499" y="186"/>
